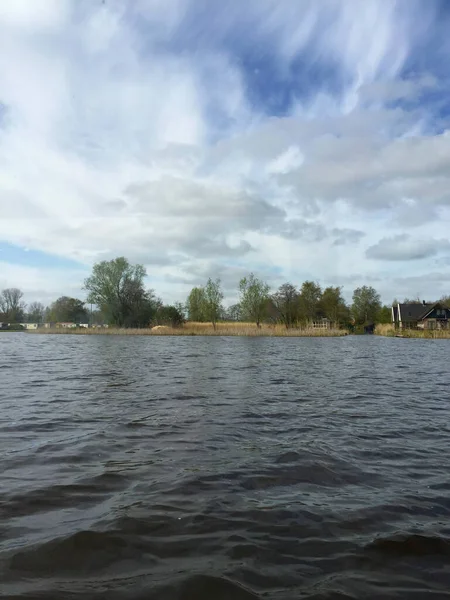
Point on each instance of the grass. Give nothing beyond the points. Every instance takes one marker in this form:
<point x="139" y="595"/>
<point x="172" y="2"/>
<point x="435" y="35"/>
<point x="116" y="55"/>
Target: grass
<point x="385" y="329"/>
<point x="191" y="328"/>
<point x="390" y="331"/>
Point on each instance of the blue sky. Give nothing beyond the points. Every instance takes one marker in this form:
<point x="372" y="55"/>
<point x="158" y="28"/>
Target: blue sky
<point x="294" y="138"/>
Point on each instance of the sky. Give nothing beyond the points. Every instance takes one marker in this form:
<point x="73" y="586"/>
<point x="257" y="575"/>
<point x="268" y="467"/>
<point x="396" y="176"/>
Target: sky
<point x="296" y="139"/>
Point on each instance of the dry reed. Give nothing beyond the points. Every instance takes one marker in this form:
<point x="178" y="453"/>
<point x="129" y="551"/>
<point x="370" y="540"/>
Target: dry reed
<point x="390" y="331"/>
<point x="385" y="329"/>
<point x="204" y="329"/>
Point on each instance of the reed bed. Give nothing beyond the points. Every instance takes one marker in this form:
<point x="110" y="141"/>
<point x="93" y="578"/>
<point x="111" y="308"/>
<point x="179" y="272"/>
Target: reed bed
<point x="204" y="329"/>
<point x="385" y="329"/>
<point x="426" y="334"/>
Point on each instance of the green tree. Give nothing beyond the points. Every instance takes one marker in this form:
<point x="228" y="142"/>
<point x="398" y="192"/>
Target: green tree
<point x="213" y="301"/>
<point x="195" y="305"/>
<point x="11" y="305"/>
<point x="36" y="312"/>
<point x="286" y="303"/>
<point x="333" y="306"/>
<point x="68" y="310"/>
<point x="366" y="305"/>
<point x="171" y="316"/>
<point x="254" y="297"/>
<point x="309" y="301"/>
<point x="385" y="315"/>
<point x="117" y="288"/>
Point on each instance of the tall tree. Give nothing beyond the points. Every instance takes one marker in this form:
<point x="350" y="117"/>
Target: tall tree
<point x="11" y="305"/>
<point x="195" y="305"/>
<point x="36" y="312"/>
<point x="286" y="301"/>
<point x="140" y="305"/>
<point x="68" y="310"/>
<point x="117" y="288"/>
<point x="366" y="305"/>
<point x="384" y="315"/>
<point x="254" y="297"/>
<point x="332" y="305"/>
<point x="309" y="299"/>
<point x="213" y="301"/>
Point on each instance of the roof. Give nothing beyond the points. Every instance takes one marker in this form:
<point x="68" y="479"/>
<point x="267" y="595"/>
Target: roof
<point x="415" y="311"/>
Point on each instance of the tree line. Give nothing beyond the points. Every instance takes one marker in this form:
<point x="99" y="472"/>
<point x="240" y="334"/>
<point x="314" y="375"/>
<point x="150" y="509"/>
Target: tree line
<point x="116" y="288"/>
<point x="290" y="305"/>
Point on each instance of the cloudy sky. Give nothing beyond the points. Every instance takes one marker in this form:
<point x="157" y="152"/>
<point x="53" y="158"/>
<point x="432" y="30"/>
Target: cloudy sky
<point x="294" y="138"/>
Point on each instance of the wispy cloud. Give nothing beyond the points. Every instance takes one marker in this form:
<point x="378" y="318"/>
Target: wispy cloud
<point x="296" y="139"/>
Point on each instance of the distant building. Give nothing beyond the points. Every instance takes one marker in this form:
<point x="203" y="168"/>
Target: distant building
<point x="423" y="315"/>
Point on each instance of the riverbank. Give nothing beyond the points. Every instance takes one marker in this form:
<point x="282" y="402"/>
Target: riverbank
<point x="390" y="331"/>
<point x="204" y="329"/>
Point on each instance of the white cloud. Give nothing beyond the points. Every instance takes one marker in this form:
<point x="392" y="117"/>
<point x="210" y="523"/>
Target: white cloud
<point x="404" y="247"/>
<point x="42" y="284"/>
<point x="123" y="133"/>
<point x="287" y="161"/>
<point x="34" y="17"/>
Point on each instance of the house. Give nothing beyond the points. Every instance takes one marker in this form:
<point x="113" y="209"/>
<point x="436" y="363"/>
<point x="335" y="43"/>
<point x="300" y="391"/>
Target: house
<point x="423" y="315"/>
<point x="66" y="325"/>
<point x="30" y="325"/>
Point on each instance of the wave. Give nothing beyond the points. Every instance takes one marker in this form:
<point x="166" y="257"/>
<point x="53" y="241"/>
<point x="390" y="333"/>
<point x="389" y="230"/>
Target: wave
<point x="411" y="545"/>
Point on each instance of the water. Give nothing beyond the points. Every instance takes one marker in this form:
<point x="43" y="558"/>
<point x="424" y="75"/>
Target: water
<point x="214" y="468"/>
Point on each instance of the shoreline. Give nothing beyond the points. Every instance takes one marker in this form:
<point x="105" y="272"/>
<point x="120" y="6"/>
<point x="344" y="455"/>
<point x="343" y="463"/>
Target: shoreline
<point x="201" y="329"/>
<point x="420" y="334"/>
<point x="240" y="330"/>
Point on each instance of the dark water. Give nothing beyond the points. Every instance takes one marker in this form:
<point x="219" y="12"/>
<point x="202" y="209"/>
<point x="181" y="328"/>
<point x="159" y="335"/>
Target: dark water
<point x="216" y="468"/>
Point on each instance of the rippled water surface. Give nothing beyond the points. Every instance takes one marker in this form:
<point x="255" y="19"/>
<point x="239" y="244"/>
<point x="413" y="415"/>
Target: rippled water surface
<point x="214" y="468"/>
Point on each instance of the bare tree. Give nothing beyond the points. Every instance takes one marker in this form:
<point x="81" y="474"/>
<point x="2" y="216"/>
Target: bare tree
<point x="36" y="312"/>
<point x="286" y="301"/>
<point x="11" y="305"/>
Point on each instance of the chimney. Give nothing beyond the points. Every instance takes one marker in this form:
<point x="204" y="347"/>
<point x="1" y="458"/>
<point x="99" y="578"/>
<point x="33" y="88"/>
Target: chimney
<point x="423" y="302"/>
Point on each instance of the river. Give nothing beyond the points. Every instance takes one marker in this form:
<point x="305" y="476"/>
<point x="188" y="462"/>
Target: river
<point x="179" y="468"/>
